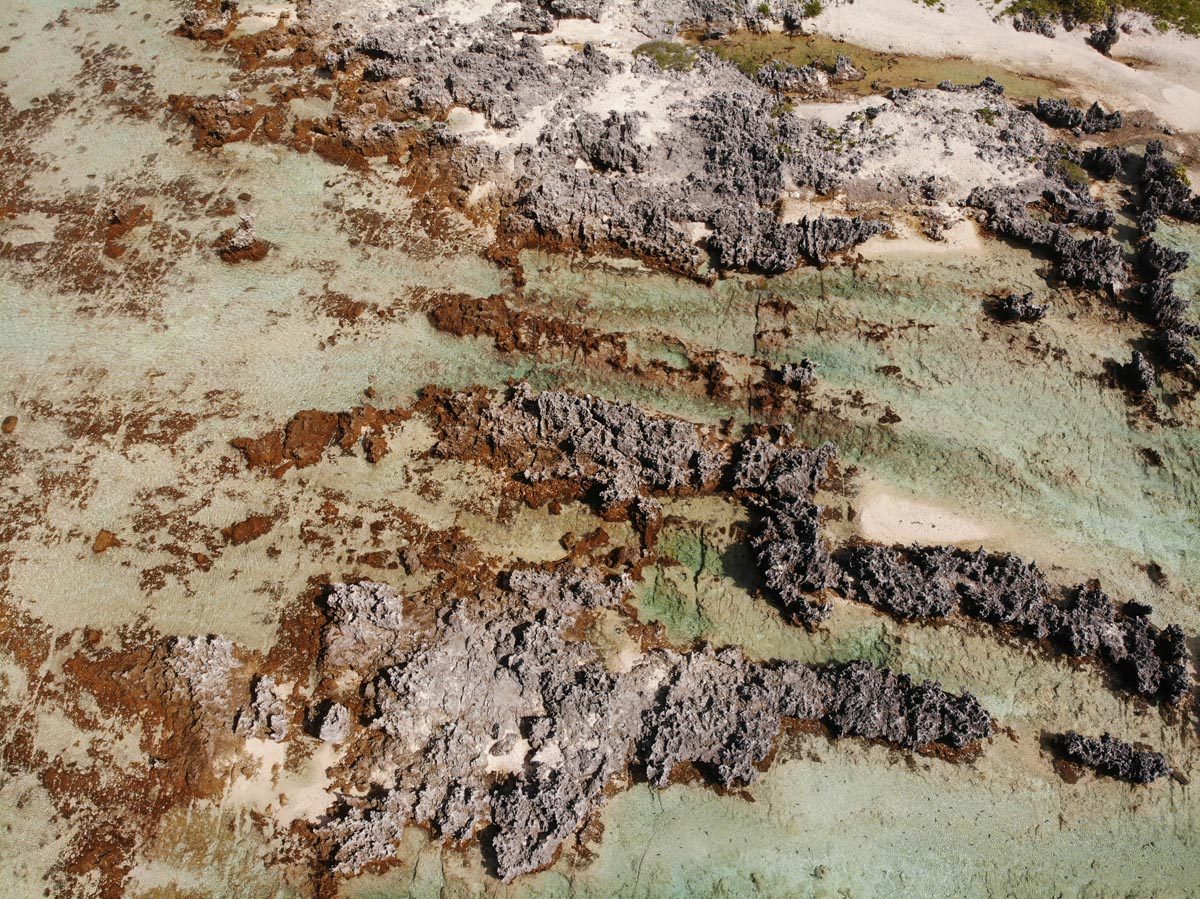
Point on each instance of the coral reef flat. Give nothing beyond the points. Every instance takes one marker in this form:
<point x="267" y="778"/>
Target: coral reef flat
<point x="599" y="448"/>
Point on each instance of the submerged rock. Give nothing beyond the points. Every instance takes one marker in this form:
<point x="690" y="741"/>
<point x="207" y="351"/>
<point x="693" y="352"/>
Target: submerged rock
<point x="1112" y="757"/>
<point x="1018" y="308"/>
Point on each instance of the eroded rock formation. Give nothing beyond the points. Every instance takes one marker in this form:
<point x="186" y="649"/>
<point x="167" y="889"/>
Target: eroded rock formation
<point x="500" y="726"/>
<point x="920" y="582"/>
<point x="1018" y="308"/>
<point x="1093" y="262"/>
<point x="792" y="556"/>
<point x="1112" y="757"/>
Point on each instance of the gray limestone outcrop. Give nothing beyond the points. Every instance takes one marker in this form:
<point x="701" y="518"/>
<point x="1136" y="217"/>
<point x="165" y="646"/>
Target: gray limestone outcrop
<point x="335" y="724"/>
<point x="596" y="146"/>
<point x="266" y="716"/>
<point x="1112" y="757"/>
<point x="499" y="726"/>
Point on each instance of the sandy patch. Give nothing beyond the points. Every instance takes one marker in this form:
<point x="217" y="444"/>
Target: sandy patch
<point x="887" y="517"/>
<point x="960" y="239"/>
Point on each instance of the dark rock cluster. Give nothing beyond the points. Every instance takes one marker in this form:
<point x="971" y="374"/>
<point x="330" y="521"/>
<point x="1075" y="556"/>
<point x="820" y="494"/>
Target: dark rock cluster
<point x="1138" y="374"/>
<point x="754" y="240"/>
<point x="791" y="554"/>
<point x="1034" y="23"/>
<point x="1112" y="757"/>
<point x="625" y="453"/>
<point x="1093" y="262"/>
<point x="1164" y="192"/>
<point x="920" y="582"/>
<point x="1104" y="37"/>
<point x="1104" y="162"/>
<point x="1076" y="206"/>
<point x="1017" y="307"/>
<point x="1061" y="114"/>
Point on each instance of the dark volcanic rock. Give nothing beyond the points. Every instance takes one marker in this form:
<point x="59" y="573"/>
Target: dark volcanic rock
<point x="1112" y="757"/>
<point x="1176" y="348"/>
<point x="1018" y="308"/>
<point x="1105" y="162"/>
<point x="1157" y="261"/>
<point x="789" y="550"/>
<point x="1058" y="113"/>
<point x="1061" y="114"/>
<point x="920" y="582"/>
<point x="879" y="705"/>
<point x="747" y="239"/>
<point x="1097" y="121"/>
<point x="1138" y="374"/>
<point x="819" y="238"/>
<point x="1094" y="262"/>
<point x="1103" y="37"/>
<point x="1164" y="191"/>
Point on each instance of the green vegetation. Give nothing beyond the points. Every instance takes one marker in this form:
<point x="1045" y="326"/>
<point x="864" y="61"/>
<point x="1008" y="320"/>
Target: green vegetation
<point x="1072" y="173"/>
<point x="663" y="602"/>
<point x="987" y="114"/>
<point x="764" y="9"/>
<point x="812" y="9"/>
<point x="668" y="55"/>
<point x="1181" y="173"/>
<point x="1181" y="14"/>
